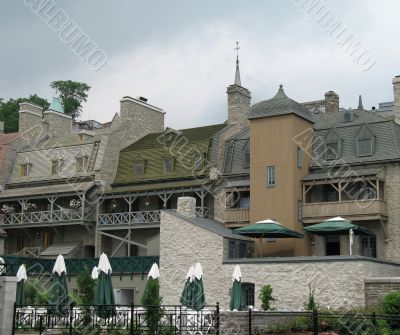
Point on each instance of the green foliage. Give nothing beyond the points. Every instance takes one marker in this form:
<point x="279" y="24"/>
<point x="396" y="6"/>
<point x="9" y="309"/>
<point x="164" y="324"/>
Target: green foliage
<point x="311" y="304"/>
<point x="85" y="285"/>
<point x="391" y="303"/>
<point x="266" y="297"/>
<point x="72" y="95"/>
<point x="151" y="301"/>
<point x="36" y="293"/>
<point x="9" y="111"/>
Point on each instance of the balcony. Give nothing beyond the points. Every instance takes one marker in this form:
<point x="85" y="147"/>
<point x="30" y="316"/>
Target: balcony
<point x="237" y="216"/>
<point x="141" y="218"/>
<point x="354" y="210"/>
<point x="43" y="218"/>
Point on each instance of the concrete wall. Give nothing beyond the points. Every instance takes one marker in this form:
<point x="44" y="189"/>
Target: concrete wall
<point x="377" y="288"/>
<point x="339" y="281"/>
<point x="8" y="287"/>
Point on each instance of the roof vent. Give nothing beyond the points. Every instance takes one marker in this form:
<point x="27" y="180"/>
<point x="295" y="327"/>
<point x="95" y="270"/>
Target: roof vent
<point x="373" y="108"/>
<point x="143" y="99"/>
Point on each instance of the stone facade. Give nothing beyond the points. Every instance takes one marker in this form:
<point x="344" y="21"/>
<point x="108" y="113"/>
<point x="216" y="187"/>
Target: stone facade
<point x="377" y="288"/>
<point x="339" y="281"/>
<point x="187" y="206"/>
<point x="239" y="99"/>
<point x="57" y="123"/>
<point x="331" y="102"/>
<point x="29" y="116"/>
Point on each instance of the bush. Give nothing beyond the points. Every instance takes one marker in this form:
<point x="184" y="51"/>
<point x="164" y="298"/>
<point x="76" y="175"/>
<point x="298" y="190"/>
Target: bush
<point x="311" y="304"/>
<point x="36" y="293"/>
<point x="391" y="303"/>
<point x="266" y="297"/>
<point x="151" y="301"/>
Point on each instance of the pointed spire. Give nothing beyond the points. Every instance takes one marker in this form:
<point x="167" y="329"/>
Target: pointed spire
<point x="237" y="73"/>
<point x="360" y="104"/>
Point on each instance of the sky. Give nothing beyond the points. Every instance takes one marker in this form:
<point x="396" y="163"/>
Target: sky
<point x="180" y="53"/>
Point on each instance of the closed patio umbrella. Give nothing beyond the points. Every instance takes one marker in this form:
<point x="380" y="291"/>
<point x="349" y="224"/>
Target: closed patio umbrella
<point x="198" y="298"/>
<point x="21" y="278"/>
<point x="237" y="297"/>
<point x="186" y="297"/>
<point x="336" y="226"/>
<point x="105" y="294"/>
<point x="267" y="229"/>
<point x="59" y="299"/>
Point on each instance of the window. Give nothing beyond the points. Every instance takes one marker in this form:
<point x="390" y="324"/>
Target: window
<point x="246" y="156"/>
<point x="237" y="249"/>
<point x="80" y="164"/>
<point x="238" y="199"/>
<point x="369" y="246"/>
<point x="24" y="170"/>
<point x="248" y="293"/>
<point x="169" y="165"/>
<point x="332" y="246"/>
<point x="365" y="147"/>
<point x="139" y="167"/>
<point x="198" y="161"/>
<point x="20" y="243"/>
<point x="299" y="157"/>
<point x="332" y="150"/>
<point x="47" y="239"/>
<point x="54" y="167"/>
<point x="271" y="176"/>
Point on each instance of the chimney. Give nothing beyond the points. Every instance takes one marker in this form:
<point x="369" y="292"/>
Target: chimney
<point x="58" y="123"/>
<point x="331" y="102"/>
<point x="239" y="99"/>
<point x="186" y="206"/>
<point x="396" y="95"/>
<point x="141" y="116"/>
<point x="30" y="116"/>
<point x="1" y="127"/>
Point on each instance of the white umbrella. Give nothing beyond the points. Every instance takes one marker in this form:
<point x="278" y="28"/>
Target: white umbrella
<point x="104" y="264"/>
<point x="59" y="266"/>
<point x="21" y="273"/>
<point x="154" y="272"/>
<point x="95" y="273"/>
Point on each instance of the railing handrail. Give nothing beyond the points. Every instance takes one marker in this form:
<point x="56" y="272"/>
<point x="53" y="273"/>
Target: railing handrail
<point x="344" y="201"/>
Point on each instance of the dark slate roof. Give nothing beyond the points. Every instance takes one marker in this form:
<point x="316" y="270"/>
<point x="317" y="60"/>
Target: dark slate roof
<point x="234" y="153"/>
<point x="385" y="131"/>
<point x="212" y="226"/>
<point x="280" y="104"/>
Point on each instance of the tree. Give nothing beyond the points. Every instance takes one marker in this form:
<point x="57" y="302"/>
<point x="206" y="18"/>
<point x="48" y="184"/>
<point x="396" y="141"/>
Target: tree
<point x="151" y="301"/>
<point x="9" y="110"/>
<point x="266" y="297"/>
<point x="72" y="95"/>
<point x="85" y="285"/>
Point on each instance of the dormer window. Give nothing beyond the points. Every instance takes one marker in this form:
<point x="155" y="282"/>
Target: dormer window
<point x="138" y="167"/>
<point x="169" y="164"/>
<point x="246" y="155"/>
<point x="24" y="170"/>
<point x="55" y="166"/>
<point x="332" y="145"/>
<point x="198" y="161"/>
<point x="365" y="142"/>
<point x="80" y="163"/>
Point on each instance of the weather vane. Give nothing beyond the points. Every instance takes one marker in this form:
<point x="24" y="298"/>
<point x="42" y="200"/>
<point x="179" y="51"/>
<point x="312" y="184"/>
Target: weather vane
<point x="237" y="50"/>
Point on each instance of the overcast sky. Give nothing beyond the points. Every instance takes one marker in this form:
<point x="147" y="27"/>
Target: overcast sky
<point x="180" y="53"/>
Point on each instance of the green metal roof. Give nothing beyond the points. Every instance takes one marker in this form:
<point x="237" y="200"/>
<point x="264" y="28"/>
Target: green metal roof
<point x="56" y="105"/>
<point x="180" y="145"/>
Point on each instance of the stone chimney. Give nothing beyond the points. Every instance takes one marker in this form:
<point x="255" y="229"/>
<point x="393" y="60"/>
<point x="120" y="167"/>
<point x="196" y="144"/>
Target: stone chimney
<point x="186" y="206"/>
<point x="331" y="102"/>
<point x="30" y="116"/>
<point x="141" y="116"/>
<point x="1" y="127"/>
<point x="57" y="122"/>
<point x="239" y="99"/>
<point x="396" y="95"/>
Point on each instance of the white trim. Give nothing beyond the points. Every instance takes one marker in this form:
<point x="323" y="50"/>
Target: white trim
<point x="142" y="103"/>
<point x="30" y="112"/>
<point x="57" y="113"/>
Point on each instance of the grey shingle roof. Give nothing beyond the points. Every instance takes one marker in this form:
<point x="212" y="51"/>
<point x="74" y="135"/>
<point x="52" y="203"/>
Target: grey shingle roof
<point x="280" y="104"/>
<point x="340" y="173"/>
<point x="386" y="143"/>
<point x="212" y="226"/>
<point x="234" y="153"/>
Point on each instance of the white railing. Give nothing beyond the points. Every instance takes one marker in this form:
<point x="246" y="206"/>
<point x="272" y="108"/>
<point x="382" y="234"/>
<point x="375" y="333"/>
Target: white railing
<point x="58" y="215"/>
<point x="143" y="217"/>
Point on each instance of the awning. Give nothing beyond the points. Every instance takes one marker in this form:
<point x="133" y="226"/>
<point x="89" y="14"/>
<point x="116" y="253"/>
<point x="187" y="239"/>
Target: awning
<point x="348" y="172"/>
<point x="336" y="226"/>
<point x="45" y="190"/>
<point x="59" y="249"/>
<point x="268" y="229"/>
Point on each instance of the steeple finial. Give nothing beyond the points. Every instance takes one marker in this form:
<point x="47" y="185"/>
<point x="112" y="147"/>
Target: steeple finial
<point x="237" y="73"/>
<point x="360" y="104"/>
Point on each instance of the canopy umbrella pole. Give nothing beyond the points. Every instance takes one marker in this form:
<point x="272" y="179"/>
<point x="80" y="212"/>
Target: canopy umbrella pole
<point x="261" y="247"/>
<point x="351" y="236"/>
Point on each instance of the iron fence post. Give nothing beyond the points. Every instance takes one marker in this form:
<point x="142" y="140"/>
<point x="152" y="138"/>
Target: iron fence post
<point x="315" y="321"/>
<point x="180" y="320"/>
<point x="250" y="322"/>
<point x="217" y="319"/>
<point x="374" y="323"/>
<point x="71" y="317"/>
<point x="41" y="325"/>
<point x="132" y="307"/>
<point x="14" y="316"/>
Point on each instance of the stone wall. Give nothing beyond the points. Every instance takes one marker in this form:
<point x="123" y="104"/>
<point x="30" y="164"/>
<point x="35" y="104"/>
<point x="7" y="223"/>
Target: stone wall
<point x="29" y="116"/>
<point x="339" y="281"/>
<point x="377" y="288"/>
<point x="8" y="287"/>
<point x="58" y="124"/>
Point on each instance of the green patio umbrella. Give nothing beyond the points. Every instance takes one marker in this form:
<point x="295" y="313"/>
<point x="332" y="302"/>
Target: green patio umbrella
<point x="336" y="226"/>
<point x="237" y="296"/>
<point x="186" y="297"/>
<point x="267" y="229"/>
<point x="105" y="294"/>
<point x="59" y="299"/>
<point x="198" y="298"/>
<point x="154" y="275"/>
<point x="21" y="278"/>
<point x="95" y="277"/>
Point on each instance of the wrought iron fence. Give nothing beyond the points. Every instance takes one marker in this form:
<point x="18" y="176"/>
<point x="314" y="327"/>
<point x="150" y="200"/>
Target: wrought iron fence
<point x="127" y="319"/>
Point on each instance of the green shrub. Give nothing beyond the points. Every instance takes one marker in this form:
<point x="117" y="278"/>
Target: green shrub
<point x="266" y="297"/>
<point x="391" y="303"/>
<point x="151" y="301"/>
<point x="311" y="304"/>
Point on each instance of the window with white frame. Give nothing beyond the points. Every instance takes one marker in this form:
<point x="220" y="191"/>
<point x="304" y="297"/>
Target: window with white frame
<point x="271" y="182"/>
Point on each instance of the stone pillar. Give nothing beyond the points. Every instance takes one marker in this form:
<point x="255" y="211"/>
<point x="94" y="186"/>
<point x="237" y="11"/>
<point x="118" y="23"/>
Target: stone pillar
<point x="187" y="206"/>
<point x="8" y="288"/>
<point x="396" y="95"/>
<point x="331" y="102"/>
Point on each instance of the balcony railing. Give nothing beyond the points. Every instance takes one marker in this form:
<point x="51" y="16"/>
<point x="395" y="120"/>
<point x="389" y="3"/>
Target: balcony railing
<point x="143" y="217"/>
<point x="354" y="208"/>
<point x="236" y="215"/>
<point x="58" y="215"/>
